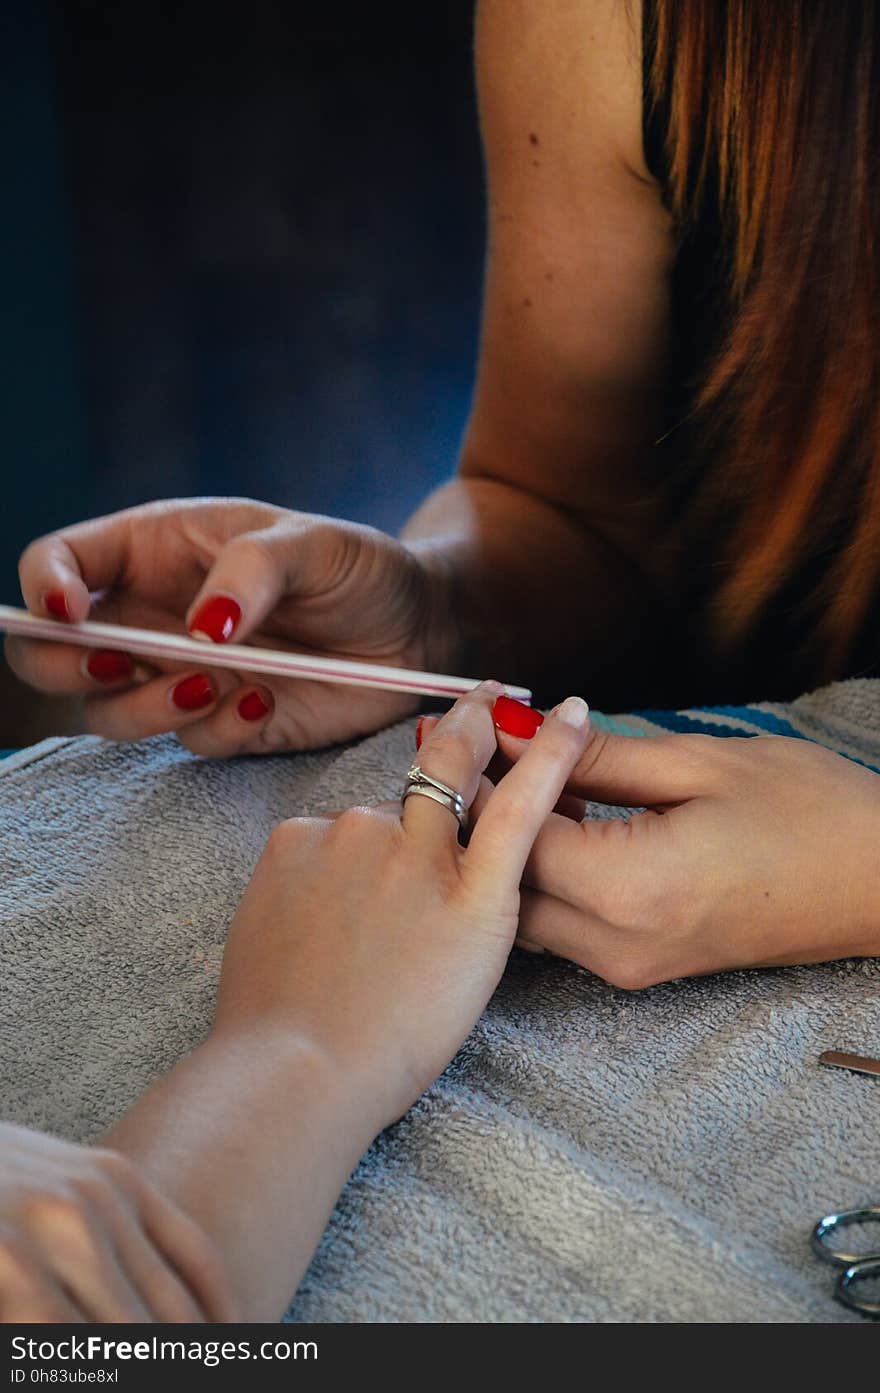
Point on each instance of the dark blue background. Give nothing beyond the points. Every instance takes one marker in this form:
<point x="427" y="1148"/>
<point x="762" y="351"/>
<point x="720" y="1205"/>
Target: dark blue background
<point x="241" y="254"/>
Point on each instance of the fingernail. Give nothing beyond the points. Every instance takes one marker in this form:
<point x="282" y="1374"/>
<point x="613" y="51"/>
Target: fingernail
<point x="253" y="707"/>
<point x="574" y="711"/>
<point x="193" y="692"/>
<point x="419" y="727"/>
<point x="56" y="604"/>
<point x="516" y="719"/>
<point x="106" y="665"/>
<point x="217" y="619"/>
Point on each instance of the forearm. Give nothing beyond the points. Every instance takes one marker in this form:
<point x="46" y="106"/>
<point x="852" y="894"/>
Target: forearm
<point x="254" y="1136"/>
<point x="536" y="597"/>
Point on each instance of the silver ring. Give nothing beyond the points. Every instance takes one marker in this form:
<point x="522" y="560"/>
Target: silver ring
<point x="417" y="781"/>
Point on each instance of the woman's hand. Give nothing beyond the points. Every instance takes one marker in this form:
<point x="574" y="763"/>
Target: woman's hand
<point x="363" y="951"/>
<point x="84" y="1237"/>
<point x="752" y="852"/>
<point x="230" y="569"/>
<point x="375" y="936"/>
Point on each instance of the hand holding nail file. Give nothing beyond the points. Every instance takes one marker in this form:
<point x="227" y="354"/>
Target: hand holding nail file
<point x="149" y="643"/>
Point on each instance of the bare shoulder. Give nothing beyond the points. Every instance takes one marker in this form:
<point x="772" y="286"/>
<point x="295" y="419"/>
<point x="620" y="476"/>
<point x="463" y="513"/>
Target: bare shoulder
<point x="576" y="304"/>
<point x="563" y="78"/>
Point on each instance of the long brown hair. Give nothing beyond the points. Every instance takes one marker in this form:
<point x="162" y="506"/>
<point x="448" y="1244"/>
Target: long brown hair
<point x="773" y="110"/>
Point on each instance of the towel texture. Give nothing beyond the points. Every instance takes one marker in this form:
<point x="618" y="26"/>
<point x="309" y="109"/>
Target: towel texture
<point x="589" y="1155"/>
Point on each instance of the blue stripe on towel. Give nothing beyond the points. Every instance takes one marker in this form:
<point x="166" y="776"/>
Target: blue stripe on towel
<point x="683" y="724"/>
<point x="768" y="723"/>
<point x="767" y="720"/>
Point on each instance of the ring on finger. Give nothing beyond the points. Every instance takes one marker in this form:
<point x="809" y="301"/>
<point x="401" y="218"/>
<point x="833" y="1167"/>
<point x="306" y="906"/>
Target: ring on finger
<point x="418" y="782"/>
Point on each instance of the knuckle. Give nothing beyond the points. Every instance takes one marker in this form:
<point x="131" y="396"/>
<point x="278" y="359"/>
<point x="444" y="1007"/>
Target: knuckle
<point x="251" y="549"/>
<point x="629" y="974"/>
<point x="448" y="754"/>
<point x="286" y="836"/>
<point x="443" y="740"/>
<point x="357" y="824"/>
<point x="32" y="552"/>
<point x="62" y="1217"/>
<point x="325" y="532"/>
<point x="713" y="753"/>
<point x="594" y="751"/>
<point x="114" y="1167"/>
<point x="560" y="740"/>
<point x="703" y="747"/>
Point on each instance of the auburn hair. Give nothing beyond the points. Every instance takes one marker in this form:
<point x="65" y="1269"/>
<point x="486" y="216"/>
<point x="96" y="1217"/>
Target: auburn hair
<point x="773" y="111"/>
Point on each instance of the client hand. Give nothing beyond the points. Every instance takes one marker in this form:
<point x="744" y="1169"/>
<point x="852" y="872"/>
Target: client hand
<point x="377" y="937"/>
<point x="363" y="952"/>
<point x="84" y="1237"/>
<point x="753" y="852"/>
<point x="230" y="569"/>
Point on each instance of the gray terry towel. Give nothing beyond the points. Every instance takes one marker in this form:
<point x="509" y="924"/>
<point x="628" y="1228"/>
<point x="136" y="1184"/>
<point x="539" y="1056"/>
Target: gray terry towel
<point x="590" y="1154"/>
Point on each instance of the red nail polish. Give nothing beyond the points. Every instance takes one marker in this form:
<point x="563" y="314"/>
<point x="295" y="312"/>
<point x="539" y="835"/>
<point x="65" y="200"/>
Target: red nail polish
<point x="419" y="729"/>
<point x="252" y="707"/>
<point x="217" y="618"/>
<point x="105" y="665"/>
<point x="56" y="604"/>
<point x="516" y="719"/>
<point x="193" y="693"/>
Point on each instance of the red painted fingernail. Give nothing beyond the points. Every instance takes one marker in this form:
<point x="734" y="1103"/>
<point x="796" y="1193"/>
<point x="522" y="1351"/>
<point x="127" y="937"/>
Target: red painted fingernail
<point x="217" y="619"/>
<point x="56" y="604"/>
<point x="105" y="665"/>
<point x="252" y="707"/>
<point x="419" y="729"/>
<point x="516" y="719"/>
<point x="193" y="692"/>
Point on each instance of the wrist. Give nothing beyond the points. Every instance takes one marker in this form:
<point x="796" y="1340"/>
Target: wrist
<point x="296" y="1065"/>
<point x="444" y="646"/>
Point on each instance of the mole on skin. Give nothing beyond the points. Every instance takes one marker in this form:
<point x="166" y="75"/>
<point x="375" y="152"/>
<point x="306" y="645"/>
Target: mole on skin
<point x="533" y="138"/>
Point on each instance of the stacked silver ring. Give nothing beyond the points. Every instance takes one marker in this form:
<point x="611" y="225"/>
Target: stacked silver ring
<point x="417" y="781"/>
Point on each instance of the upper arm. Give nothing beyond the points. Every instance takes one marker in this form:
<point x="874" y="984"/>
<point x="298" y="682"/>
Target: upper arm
<point x="575" y="315"/>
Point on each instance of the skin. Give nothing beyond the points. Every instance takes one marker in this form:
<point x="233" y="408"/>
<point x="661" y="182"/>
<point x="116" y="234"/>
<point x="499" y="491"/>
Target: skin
<point x="545" y="556"/>
<point x="347" y="1007"/>
<point x="546" y="560"/>
<point x="85" y="1236"/>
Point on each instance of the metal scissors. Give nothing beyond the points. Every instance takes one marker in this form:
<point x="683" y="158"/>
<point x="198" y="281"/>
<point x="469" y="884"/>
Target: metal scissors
<point x="857" y="1267"/>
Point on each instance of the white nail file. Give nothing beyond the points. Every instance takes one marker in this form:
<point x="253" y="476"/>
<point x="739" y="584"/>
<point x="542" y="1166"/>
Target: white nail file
<point x="267" y="662"/>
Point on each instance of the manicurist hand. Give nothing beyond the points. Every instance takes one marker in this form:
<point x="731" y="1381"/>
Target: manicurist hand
<point x="374" y="934"/>
<point x="228" y="569"/>
<point x="85" y="1237"/>
<point x="752" y="852"/>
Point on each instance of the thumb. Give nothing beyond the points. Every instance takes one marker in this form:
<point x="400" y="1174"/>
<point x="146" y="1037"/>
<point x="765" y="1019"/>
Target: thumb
<point x="255" y="570"/>
<point x="635" y="771"/>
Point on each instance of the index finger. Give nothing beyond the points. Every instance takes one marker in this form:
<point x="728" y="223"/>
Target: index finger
<point x="58" y="571"/>
<point x="521" y="803"/>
